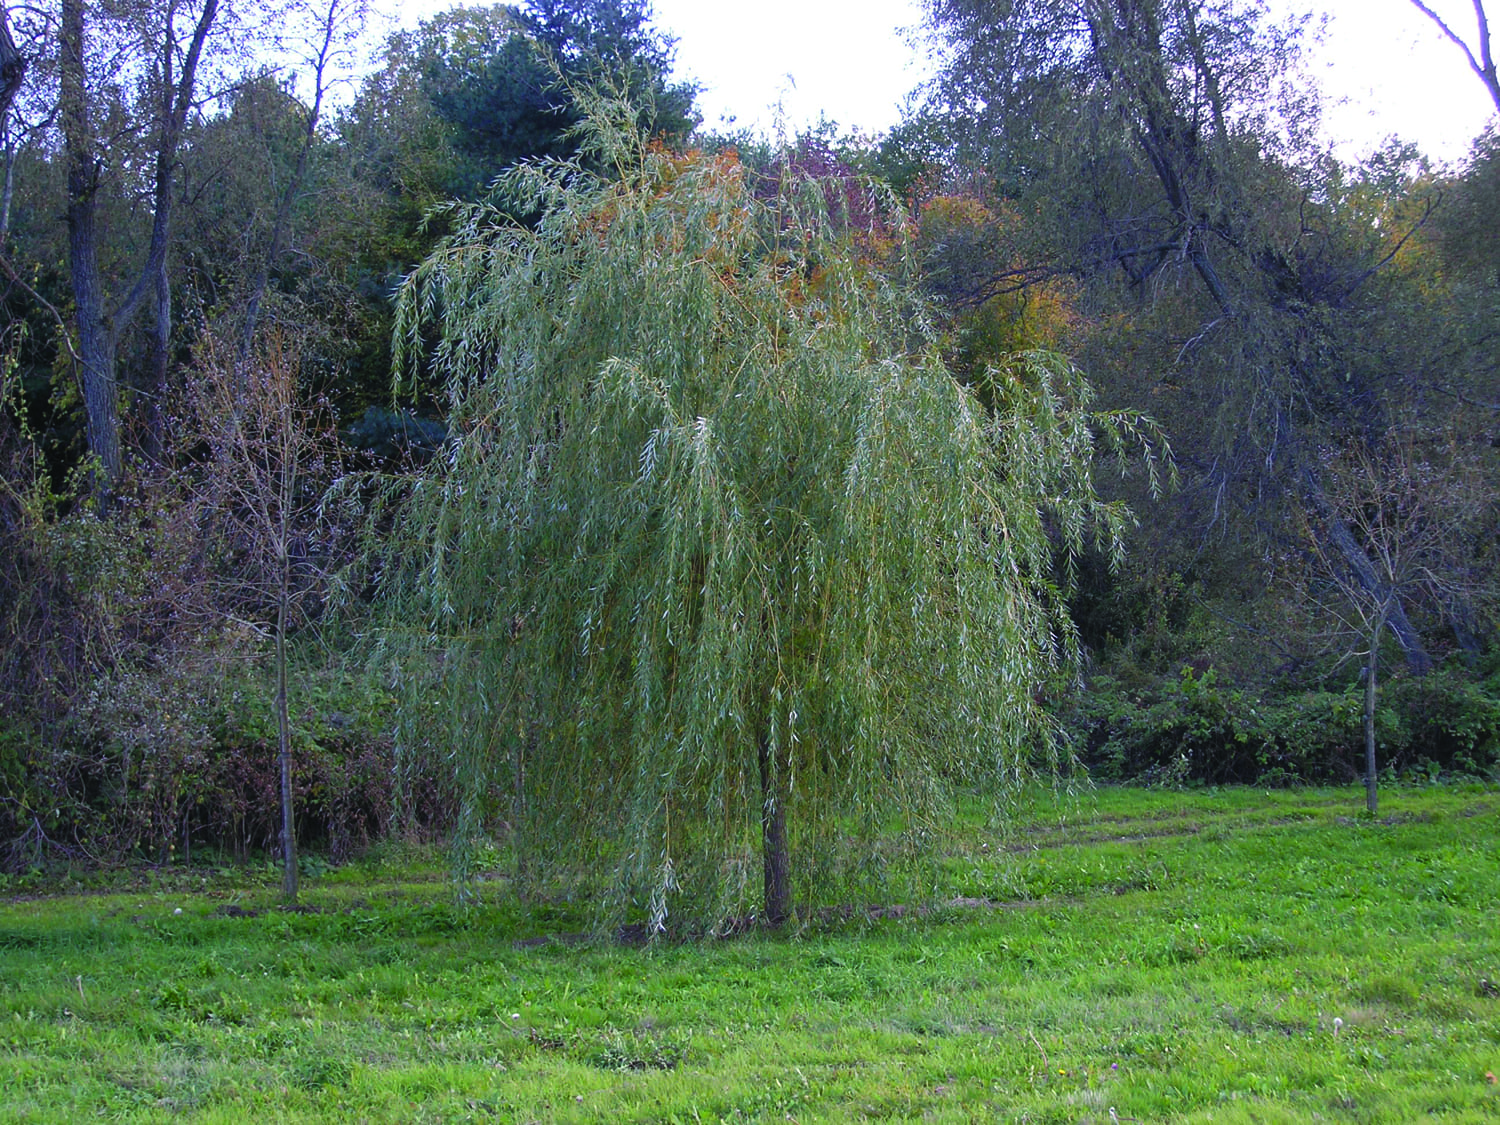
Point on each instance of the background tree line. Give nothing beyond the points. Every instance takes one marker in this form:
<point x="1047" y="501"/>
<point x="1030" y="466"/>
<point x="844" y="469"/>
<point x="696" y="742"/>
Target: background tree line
<point x="188" y="218"/>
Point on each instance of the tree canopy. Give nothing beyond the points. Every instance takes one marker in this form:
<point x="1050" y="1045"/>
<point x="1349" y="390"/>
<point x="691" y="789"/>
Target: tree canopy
<point x="724" y="570"/>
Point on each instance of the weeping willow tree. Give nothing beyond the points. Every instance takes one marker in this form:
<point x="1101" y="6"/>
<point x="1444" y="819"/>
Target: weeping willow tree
<point x="723" y="579"/>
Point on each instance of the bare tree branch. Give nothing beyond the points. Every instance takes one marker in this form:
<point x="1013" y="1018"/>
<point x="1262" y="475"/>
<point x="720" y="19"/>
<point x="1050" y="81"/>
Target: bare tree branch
<point x="1484" y="64"/>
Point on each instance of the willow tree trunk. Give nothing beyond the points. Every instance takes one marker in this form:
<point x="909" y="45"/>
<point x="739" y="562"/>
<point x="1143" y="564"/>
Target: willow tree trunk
<point x="775" y="860"/>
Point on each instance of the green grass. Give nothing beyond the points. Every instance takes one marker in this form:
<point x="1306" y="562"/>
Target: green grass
<point x="1204" y="956"/>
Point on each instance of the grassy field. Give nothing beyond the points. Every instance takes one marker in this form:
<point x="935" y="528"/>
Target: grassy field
<point x="1137" y="956"/>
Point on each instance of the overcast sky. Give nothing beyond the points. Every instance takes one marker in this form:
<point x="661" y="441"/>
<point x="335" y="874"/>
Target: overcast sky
<point x="1384" y="69"/>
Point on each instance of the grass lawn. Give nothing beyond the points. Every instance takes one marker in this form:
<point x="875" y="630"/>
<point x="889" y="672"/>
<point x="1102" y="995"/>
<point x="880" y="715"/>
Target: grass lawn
<point x="1224" y="956"/>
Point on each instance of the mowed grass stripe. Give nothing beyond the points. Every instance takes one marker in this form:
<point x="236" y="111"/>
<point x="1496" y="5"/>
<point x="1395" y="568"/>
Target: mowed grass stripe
<point x="1285" y="959"/>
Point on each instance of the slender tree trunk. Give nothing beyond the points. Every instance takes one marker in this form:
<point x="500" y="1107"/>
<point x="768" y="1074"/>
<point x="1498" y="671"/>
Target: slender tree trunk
<point x="157" y="363"/>
<point x="283" y="532"/>
<point x="8" y="193"/>
<point x="281" y="225"/>
<point x="1209" y="74"/>
<point x="96" y="344"/>
<point x="284" y="748"/>
<point x="1371" y="797"/>
<point x="775" y="860"/>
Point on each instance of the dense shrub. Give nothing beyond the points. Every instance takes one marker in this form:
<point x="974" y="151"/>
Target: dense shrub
<point x="158" y="763"/>
<point x="137" y="696"/>
<point x="1452" y="722"/>
<point x="1194" y="728"/>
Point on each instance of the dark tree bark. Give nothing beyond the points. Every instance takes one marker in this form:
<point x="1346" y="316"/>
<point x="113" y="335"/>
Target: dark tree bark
<point x="99" y="327"/>
<point x="96" y="343"/>
<point x="775" y="859"/>
<point x="12" y="65"/>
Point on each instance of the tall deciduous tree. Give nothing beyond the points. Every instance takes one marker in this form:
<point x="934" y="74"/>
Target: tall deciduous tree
<point x="271" y="452"/>
<point x="1159" y="138"/>
<point x="724" y="571"/>
<point x="97" y="55"/>
<point x="334" y="27"/>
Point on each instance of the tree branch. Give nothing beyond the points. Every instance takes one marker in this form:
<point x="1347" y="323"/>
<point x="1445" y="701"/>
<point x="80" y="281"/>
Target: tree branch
<point x="174" y="120"/>
<point x="1429" y="207"/>
<point x="10" y="271"/>
<point x="1484" y="66"/>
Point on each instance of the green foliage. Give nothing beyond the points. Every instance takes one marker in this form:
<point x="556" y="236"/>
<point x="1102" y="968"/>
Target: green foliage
<point x="1454" y="722"/>
<point x="1193" y="728"/>
<point x="1466" y="228"/>
<point x="718" y="533"/>
<point x="457" y="100"/>
<point x="500" y="78"/>
<point x="183" y="755"/>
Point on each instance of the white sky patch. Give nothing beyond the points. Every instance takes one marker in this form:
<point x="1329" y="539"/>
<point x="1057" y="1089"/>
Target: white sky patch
<point x="846" y="61"/>
<point x="1387" y="70"/>
<point x="1384" y="69"/>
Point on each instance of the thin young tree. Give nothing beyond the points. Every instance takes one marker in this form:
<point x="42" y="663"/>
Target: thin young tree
<point x="723" y="573"/>
<point x="1422" y="511"/>
<point x="270" y="455"/>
